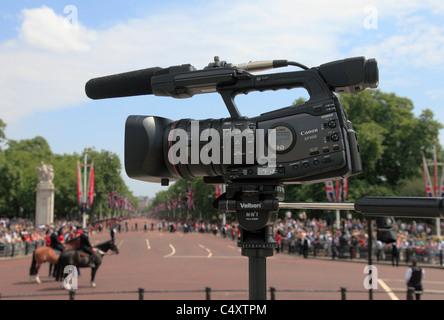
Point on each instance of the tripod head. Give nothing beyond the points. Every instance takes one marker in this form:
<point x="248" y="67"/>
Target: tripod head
<point x="256" y="208"/>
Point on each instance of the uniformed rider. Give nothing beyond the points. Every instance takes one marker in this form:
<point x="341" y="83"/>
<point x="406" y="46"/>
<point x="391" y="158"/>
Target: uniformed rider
<point x="55" y="242"/>
<point x="85" y="246"/>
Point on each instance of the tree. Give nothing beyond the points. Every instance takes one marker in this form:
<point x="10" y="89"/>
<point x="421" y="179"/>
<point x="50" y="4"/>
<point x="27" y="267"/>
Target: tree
<point x="390" y="136"/>
<point x="18" y="164"/>
<point x="2" y="131"/>
<point x="390" y="140"/>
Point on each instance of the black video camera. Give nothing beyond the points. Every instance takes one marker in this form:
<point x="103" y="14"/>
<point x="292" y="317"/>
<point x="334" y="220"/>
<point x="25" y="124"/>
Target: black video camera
<point x="305" y="143"/>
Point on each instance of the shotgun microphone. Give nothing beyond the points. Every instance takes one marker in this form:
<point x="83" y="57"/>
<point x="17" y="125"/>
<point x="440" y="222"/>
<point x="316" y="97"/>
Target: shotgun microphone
<point x="126" y="84"/>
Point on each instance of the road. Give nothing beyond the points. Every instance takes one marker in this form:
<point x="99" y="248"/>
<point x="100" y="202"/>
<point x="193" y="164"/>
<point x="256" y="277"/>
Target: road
<point x="178" y="266"/>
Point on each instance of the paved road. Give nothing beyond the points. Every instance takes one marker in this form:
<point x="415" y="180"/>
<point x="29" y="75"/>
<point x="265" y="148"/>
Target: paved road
<point x="164" y="261"/>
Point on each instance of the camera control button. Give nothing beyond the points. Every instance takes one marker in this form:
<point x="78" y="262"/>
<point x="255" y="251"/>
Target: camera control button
<point x="326" y="150"/>
<point x="335" y="137"/>
<point x="305" y="164"/>
<point x="327" y="159"/>
<point x="316" y="162"/>
<point x="332" y="124"/>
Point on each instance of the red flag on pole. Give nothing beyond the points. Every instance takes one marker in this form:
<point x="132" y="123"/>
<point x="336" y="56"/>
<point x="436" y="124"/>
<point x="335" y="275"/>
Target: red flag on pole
<point x="427" y="182"/>
<point x="435" y="174"/>
<point x="79" y="184"/>
<point x="441" y="193"/>
<point x="218" y="191"/>
<point x="338" y="191"/>
<point x="91" y="186"/>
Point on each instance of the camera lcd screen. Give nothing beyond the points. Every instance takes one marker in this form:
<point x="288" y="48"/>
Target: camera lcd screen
<point x="284" y="139"/>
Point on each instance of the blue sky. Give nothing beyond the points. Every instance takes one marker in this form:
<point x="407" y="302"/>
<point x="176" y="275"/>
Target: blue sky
<point x="47" y="54"/>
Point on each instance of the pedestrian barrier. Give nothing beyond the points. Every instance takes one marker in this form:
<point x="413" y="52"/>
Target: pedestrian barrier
<point x="207" y="291"/>
<point x="9" y="250"/>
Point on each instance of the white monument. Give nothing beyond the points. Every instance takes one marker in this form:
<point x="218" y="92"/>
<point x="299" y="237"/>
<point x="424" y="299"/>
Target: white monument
<point x="44" y="211"/>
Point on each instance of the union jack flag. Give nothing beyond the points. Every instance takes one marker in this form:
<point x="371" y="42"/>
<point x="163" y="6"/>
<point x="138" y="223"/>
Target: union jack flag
<point x="110" y="200"/>
<point x="338" y="191"/>
<point x="344" y="189"/>
<point x="329" y="190"/>
<point x="190" y="200"/>
<point x="168" y="202"/>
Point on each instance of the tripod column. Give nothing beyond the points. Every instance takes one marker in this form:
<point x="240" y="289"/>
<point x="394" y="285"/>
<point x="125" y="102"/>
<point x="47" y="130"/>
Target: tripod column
<point x="257" y="268"/>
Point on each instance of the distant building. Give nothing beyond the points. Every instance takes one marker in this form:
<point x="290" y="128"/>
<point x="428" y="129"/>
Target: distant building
<point x="144" y="203"/>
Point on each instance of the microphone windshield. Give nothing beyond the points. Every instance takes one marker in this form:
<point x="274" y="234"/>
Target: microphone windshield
<point x="126" y="84"/>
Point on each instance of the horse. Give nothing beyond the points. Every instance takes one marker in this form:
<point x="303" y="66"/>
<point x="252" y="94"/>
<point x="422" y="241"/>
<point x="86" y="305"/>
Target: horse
<point x="79" y="259"/>
<point x="45" y="254"/>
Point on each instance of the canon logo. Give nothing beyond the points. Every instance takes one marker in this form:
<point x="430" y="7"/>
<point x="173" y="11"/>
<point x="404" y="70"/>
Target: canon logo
<point x="251" y="205"/>
<point x="303" y="133"/>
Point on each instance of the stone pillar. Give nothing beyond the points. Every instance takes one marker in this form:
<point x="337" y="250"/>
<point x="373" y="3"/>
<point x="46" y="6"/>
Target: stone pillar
<point x="44" y="211"/>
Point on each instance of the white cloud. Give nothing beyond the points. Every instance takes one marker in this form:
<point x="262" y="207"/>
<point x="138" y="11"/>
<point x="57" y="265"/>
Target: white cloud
<point x="47" y="65"/>
<point x="42" y="28"/>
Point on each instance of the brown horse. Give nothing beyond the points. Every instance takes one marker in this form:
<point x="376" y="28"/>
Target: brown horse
<point x="46" y="254"/>
<point x="79" y="259"/>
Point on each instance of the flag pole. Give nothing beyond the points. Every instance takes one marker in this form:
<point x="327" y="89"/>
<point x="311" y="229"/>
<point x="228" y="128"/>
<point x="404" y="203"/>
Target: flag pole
<point x="84" y="190"/>
<point x="436" y="188"/>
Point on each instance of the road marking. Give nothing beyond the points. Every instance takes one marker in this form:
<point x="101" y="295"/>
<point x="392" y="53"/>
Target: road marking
<point x="120" y="243"/>
<point x="173" y="251"/>
<point x="208" y="250"/>
<point x="206" y="257"/>
<point x="388" y="290"/>
<point x="148" y="244"/>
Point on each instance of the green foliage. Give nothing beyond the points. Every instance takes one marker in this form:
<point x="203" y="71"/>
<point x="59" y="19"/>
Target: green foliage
<point x="18" y="169"/>
<point x="391" y="138"/>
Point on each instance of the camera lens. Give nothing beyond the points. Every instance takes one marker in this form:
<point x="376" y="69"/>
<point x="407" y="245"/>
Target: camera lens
<point x="371" y="74"/>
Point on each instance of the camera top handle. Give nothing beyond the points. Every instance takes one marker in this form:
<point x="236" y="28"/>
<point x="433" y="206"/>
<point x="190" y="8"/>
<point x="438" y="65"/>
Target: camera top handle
<point x="343" y="76"/>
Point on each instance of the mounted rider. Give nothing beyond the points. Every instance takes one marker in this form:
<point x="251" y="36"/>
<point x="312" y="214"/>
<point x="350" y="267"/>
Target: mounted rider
<point x="85" y="245"/>
<point x="55" y="242"/>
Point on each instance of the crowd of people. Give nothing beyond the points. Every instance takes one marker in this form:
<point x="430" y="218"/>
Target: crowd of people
<point x="316" y="237"/>
<point x="294" y="235"/>
<point x="414" y="239"/>
<point x="19" y="237"/>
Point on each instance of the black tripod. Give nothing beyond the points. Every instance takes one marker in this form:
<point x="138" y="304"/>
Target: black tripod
<point x="256" y="208"/>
